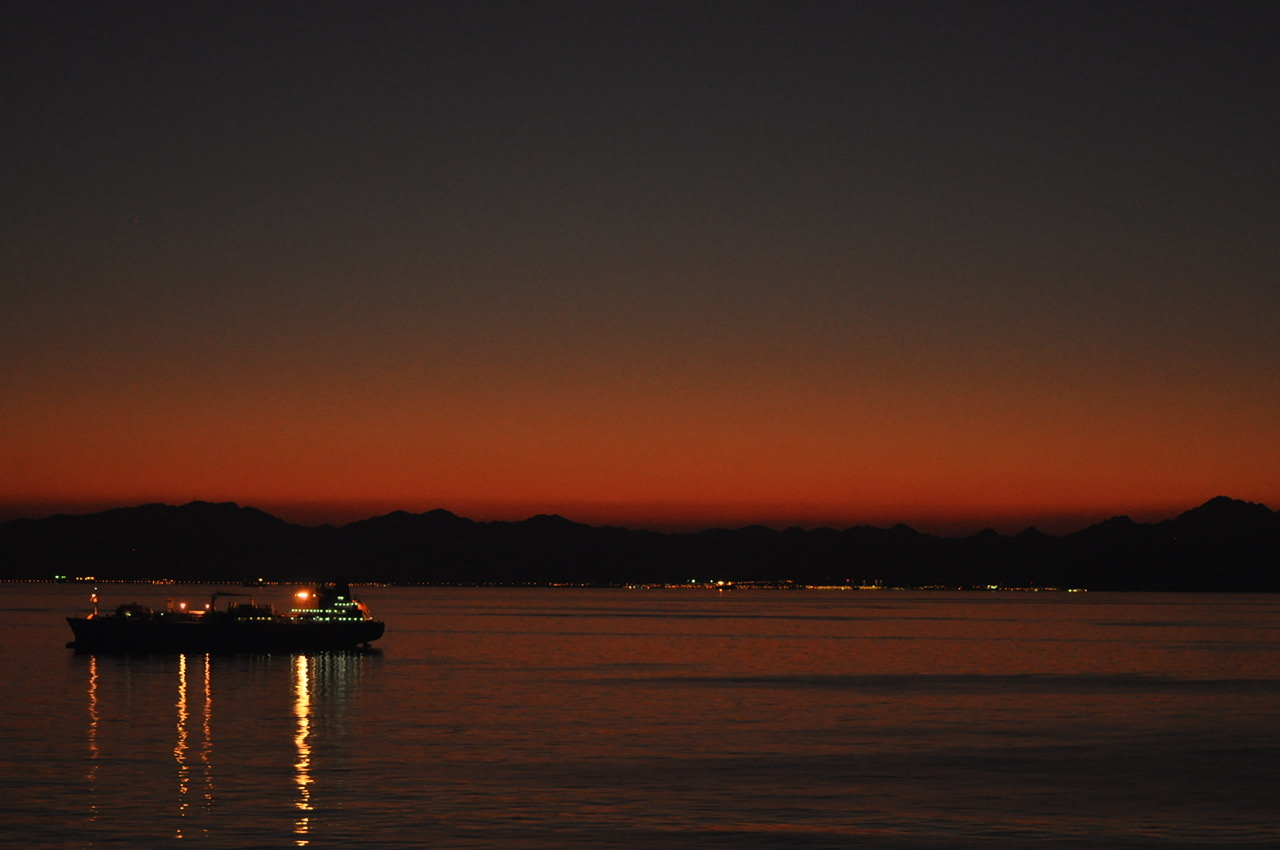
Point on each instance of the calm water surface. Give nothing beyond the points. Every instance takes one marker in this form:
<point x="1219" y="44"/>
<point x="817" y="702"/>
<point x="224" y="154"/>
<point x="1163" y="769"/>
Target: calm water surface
<point x="611" y="718"/>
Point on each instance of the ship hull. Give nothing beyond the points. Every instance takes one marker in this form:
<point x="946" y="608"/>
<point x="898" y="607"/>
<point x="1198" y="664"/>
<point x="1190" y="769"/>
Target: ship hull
<point x="117" y="634"/>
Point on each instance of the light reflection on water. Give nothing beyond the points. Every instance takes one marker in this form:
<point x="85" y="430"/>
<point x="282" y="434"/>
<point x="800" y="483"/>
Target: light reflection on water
<point x="302" y="767"/>
<point x="180" y="748"/>
<point x="606" y="719"/>
<point x="213" y="792"/>
<point x="91" y="778"/>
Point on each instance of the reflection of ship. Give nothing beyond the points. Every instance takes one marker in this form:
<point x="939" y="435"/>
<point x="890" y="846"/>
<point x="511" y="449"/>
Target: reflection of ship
<point x="327" y="617"/>
<point x="275" y="723"/>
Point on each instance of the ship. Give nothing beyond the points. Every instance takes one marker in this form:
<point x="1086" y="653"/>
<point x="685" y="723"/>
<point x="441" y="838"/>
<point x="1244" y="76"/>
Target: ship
<point x="324" y="617"/>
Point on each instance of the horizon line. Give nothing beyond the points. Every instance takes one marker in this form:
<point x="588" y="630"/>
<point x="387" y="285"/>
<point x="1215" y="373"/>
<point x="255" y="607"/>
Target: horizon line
<point x="340" y="514"/>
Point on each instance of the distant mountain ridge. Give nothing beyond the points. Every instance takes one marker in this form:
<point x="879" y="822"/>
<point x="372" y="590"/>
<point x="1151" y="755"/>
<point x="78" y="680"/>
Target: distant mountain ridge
<point x="1223" y="545"/>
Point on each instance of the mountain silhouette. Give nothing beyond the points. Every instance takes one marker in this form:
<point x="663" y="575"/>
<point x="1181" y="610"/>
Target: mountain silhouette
<point x="1223" y="545"/>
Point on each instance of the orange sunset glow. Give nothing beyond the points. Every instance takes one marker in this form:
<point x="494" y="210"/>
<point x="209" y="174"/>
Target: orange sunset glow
<point x="797" y="266"/>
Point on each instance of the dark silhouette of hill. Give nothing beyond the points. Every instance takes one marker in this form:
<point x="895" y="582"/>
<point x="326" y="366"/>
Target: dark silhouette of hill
<point x="1222" y="545"/>
<point x="157" y="541"/>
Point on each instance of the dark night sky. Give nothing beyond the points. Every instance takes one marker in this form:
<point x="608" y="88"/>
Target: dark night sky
<point x="952" y="264"/>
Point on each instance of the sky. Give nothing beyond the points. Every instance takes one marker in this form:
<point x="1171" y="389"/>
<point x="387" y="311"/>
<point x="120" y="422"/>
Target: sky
<point x="667" y="265"/>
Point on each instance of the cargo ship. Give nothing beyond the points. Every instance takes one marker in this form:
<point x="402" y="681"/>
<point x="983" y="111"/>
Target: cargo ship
<point x="323" y="617"/>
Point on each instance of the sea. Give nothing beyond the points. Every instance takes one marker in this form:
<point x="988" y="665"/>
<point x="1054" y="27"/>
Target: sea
<point x="602" y="718"/>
